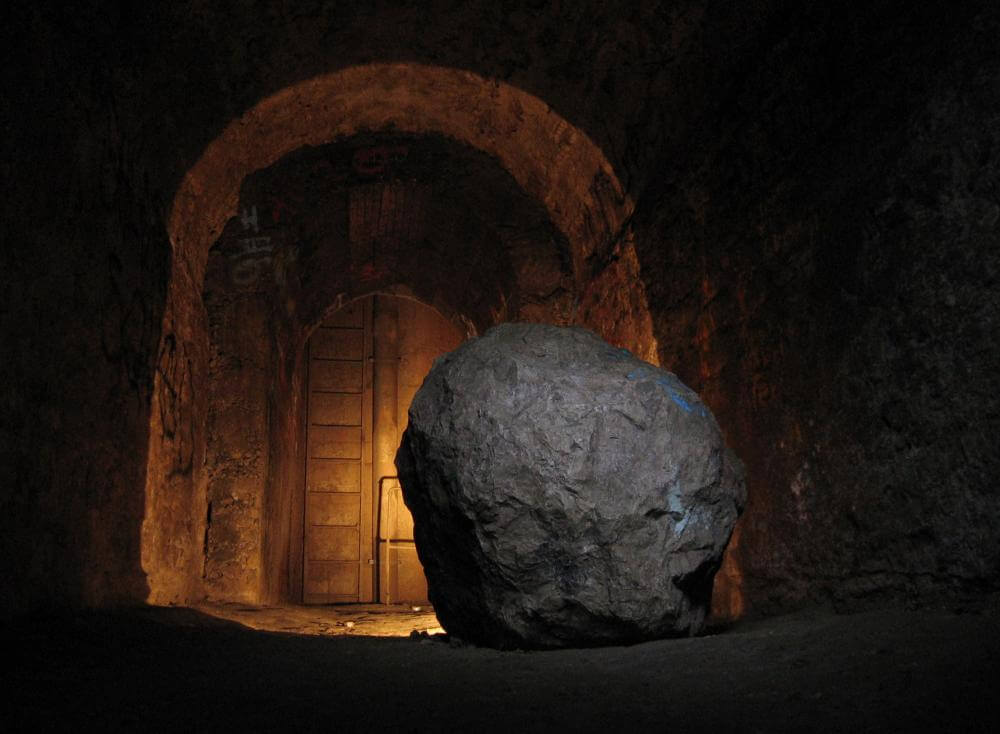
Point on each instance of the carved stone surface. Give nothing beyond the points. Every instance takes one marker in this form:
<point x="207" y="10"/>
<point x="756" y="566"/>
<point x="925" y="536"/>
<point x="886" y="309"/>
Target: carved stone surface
<point x="564" y="492"/>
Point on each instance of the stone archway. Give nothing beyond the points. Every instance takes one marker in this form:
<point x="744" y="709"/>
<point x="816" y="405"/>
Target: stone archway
<point x="553" y="161"/>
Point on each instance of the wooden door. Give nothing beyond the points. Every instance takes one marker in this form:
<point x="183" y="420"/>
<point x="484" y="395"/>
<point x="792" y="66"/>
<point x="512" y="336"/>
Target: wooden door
<point x="366" y="363"/>
<point x="338" y="553"/>
<point x="421" y="334"/>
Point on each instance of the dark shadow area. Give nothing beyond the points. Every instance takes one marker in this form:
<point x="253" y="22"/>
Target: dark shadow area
<point x="179" y="670"/>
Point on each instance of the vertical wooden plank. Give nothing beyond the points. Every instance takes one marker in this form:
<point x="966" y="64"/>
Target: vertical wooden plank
<point x="313" y="581"/>
<point x="297" y="541"/>
<point x="367" y="570"/>
<point x="337" y="522"/>
<point x="386" y="333"/>
<point x="423" y="335"/>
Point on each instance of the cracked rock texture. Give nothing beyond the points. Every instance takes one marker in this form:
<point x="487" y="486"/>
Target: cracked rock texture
<point x="564" y="492"/>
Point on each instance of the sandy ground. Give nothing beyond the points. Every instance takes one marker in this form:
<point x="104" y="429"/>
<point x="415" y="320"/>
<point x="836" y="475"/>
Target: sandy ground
<point x="359" y="620"/>
<point x="187" y="670"/>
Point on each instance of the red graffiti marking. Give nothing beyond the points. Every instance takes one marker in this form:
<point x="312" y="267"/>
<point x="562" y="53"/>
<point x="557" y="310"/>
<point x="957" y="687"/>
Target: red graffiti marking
<point x="373" y="161"/>
<point x="369" y="271"/>
<point x="277" y="207"/>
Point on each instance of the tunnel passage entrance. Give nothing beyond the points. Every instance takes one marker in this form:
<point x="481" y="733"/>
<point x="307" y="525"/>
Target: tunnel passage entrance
<point x="365" y="363"/>
<point x="254" y="268"/>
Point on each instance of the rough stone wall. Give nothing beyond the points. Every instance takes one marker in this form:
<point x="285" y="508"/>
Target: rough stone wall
<point x="281" y="541"/>
<point x="816" y="229"/>
<point x="173" y="520"/>
<point x="821" y="265"/>
<point x="614" y="304"/>
<point x="238" y="436"/>
<point x="83" y="265"/>
<point x="228" y="63"/>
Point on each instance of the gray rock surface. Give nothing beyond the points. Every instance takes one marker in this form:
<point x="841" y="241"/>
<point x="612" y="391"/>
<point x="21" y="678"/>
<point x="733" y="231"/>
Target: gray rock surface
<point x="564" y="492"/>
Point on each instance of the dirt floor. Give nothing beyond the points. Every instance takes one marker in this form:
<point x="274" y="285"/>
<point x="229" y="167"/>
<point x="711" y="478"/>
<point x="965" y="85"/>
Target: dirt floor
<point x="198" y="670"/>
<point x="359" y="620"/>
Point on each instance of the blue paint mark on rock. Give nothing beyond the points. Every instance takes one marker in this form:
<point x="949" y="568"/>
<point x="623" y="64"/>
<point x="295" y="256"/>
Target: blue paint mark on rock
<point x="668" y="383"/>
<point x="677" y="509"/>
<point x="674" y="503"/>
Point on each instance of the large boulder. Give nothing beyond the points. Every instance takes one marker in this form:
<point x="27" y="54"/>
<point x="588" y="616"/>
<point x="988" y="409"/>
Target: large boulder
<point x="564" y="492"/>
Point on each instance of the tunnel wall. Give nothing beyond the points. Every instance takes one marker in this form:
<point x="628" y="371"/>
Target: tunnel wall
<point x="83" y="264"/>
<point x="238" y="457"/>
<point x="808" y="256"/>
<point x="822" y="267"/>
<point x="174" y="516"/>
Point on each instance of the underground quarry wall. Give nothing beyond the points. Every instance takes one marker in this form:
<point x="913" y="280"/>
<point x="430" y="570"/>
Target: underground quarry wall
<point x="803" y="199"/>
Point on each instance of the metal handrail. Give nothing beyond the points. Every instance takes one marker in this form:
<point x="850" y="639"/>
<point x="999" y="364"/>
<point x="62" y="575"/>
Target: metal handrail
<point x="388" y="537"/>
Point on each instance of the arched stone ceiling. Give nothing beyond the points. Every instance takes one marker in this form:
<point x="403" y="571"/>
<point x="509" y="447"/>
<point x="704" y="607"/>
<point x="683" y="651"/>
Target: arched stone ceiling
<point x="550" y="159"/>
<point x="470" y="241"/>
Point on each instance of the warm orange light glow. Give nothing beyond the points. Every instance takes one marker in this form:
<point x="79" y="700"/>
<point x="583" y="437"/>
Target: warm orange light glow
<point x="727" y="594"/>
<point x="553" y="161"/>
<point x="356" y="620"/>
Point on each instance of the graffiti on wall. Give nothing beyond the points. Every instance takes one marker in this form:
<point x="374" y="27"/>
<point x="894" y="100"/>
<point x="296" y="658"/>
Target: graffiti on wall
<point x="253" y="253"/>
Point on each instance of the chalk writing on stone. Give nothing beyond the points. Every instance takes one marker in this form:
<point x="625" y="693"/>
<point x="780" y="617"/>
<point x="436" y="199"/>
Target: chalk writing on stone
<point x="249" y="270"/>
<point x="248" y="218"/>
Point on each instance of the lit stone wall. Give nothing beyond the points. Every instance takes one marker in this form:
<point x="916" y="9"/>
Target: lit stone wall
<point x="806" y="195"/>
